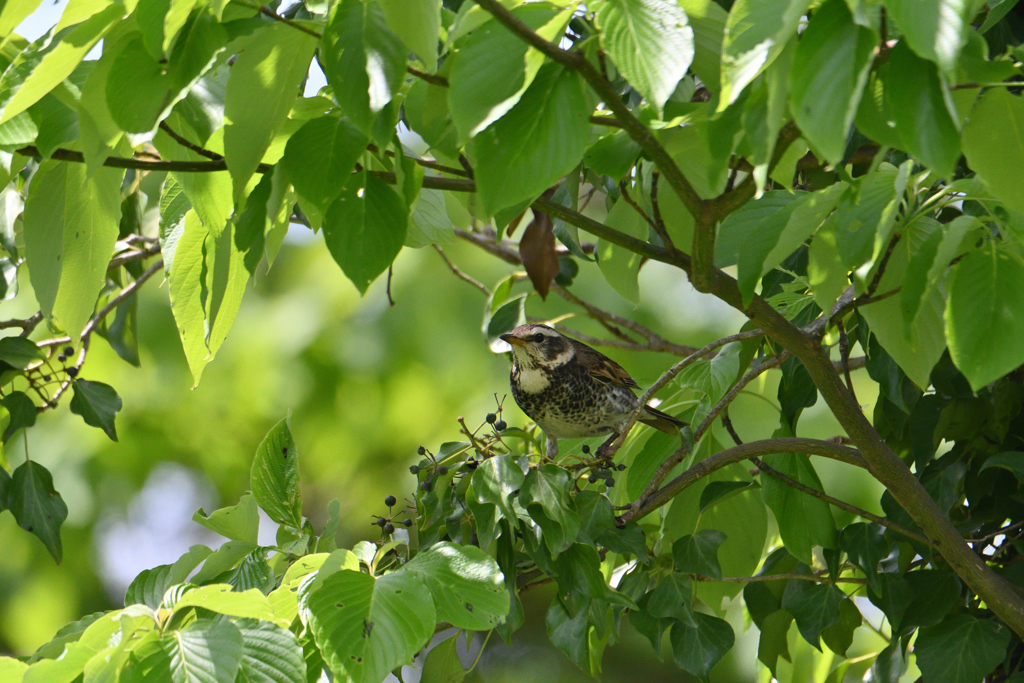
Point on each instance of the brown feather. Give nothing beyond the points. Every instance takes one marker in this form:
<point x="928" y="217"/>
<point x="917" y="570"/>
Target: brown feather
<point x="663" y="422"/>
<point x="601" y="367"/>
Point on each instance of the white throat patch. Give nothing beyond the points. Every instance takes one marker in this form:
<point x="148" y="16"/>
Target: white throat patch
<point x="533" y="380"/>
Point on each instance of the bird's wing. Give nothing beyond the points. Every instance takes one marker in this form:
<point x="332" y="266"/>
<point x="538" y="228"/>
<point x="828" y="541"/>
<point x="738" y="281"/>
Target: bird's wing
<point x="601" y="367"/>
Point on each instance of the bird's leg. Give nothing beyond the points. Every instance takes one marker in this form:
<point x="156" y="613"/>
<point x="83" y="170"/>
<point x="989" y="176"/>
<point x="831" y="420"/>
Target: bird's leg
<point x="602" y="450"/>
<point x="551" y="447"/>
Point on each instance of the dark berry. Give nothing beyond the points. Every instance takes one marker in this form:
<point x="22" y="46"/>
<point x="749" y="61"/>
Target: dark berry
<point x="491" y="418"/>
<point x="585" y="448"/>
<point x="46" y="378"/>
<point x="68" y="351"/>
<point x="609" y="482"/>
<point x="471" y="464"/>
<point x="592" y="478"/>
<point x="381" y="521"/>
<point x="442" y="470"/>
<point x="407" y="522"/>
<point x="72" y="372"/>
<point x="389" y="528"/>
<point x="390" y="501"/>
<point x="500" y="425"/>
<point x="425" y="486"/>
<point x="60" y="357"/>
<point x="421" y="450"/>
<point x="621" y="467"/>
<point x="414" y="468"/>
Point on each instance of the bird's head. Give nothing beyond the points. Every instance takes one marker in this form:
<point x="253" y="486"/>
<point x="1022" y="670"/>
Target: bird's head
<point x="539" y="346"/>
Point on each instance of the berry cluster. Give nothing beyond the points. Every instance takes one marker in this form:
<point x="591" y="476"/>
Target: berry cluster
<point x="387" y="523"/>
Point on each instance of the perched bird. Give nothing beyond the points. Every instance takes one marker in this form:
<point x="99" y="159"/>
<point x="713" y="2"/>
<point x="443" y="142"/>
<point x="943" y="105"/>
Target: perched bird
<point x="572" y="391"/>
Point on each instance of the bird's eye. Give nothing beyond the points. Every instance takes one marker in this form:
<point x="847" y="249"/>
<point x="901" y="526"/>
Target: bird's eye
<point x="538" y="337"/>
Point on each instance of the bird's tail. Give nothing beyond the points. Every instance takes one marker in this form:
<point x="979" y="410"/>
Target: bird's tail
<point x="663" y="422"/>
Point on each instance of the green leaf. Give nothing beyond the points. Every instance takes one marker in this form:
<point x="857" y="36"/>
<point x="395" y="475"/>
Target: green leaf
<point x="933" y="594"/>
<point x="756" y="32"/>
<point x="428" y="221"/>
<point x="769" y="214"/>
<point x="187" y="286"/>
<point x="984" y="314"/>
<point x="658" y="447"/>
<point x="993" y="138"/>
<point x="495" y="481"/>
<point x="274" y="477"/>
<point x="774" y="641"/>
<point x="865" y="546"/>
<point x="925" y="118"/>
<point x="839" y="636"/>
<point x="671" y="599"/>
<point x="650" y="42"/>
<point x="12" y="669"/>
<point x="613" y="155"/>
<point x="569" y="632"/>
<point x="698" y="553"/>
<point x="417" y="23"/>
<point x="936" y="29"/>
<point x="542" y="138"/>
<point x="545" y="495"/>
<point x="71" y="225"/>
<point x="98" y="404"/>
<point x="961" y="649"/>
<point x="716" y="376"/>
<point x="19" y="352"/>
<point x="1012" y="461"/>
<point x="320" y="158"/>
<point x="506" y="318"/>
<point x="926" y="270"/>
<point x="239" y="522"/>
<point x="149" y="586"/>
<point x="442" y="664"/>
<point x="815" y="606"/>
<point x="620" y="266"/>
<point x="204" y="652"/>
<point x="223" y="599"/>
<point x="699" y="649"/>
<point x="467" y="586"/>
<point x="367" y="627"/>
<point x="36" y="506"/>
<point x="13" y="12"/>
<point x="270" y="654"/>
<point x="364" y="61"/>
<point x="58" y="63"/>
<point x="707" y="19"/>
<point x="718" y="490"/>
<point x="365" y="229"/>
<point x="830" y="67"/>
<point x="494" y="68"/>
<point x="804" y="520"/>
<point x="261" y="90"/>
<point x="22" y="410"/>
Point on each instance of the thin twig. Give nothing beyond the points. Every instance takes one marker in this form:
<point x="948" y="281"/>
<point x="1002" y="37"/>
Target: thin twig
<point x="184" y="142"/>
<point x="775" y="577"/>
<point x="391" y="270"/>
<point x="844" y="355"/>
<point x="439" y="81"/>
<point x="877" y="279"/>
<point x="27" y="325"/>
<point x="459" y="274"/>
<point x="998" y="532"/>
<point x="788" y="481"/>
<point x="624" y="191"/>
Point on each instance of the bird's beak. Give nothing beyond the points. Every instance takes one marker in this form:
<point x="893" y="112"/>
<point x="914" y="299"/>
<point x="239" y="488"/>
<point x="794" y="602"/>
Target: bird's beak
<point x="512" y="339"/>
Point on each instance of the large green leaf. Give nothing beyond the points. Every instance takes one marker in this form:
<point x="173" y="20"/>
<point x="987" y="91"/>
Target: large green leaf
<point x="815" y="606"/>
<point x="239" y="522"/>
<point x="962" y="649"/>
<point x="698" y="553"/>
<point x="58" y="62"/>
<point x="98" y="404"/>
<point x="699" y="649"/>
<point x="865" y="546"/>
<point x="545" y="495"/>
<point x="71" y="225"/>
<point x="540" y="140"/>
<point x="274" y="477"/>
<point x="224" y="599"/>
<point x="320" y="157"/>
<point x="755" y="34"/>
<point x="621" y="266"/>
<point x="149" y="586"/>
<point x="494" y="68"/>
<point x="985" y="314"/>
<point x="925" y="118"/>
<point x="650" y="42"/>
<point x="830" y="68"/>
<point x="707" y="19"/>
<point x="270" y="654"/>
<point x="417" y="23"/>
<point x="364" y="61"/>
<point x="204" y="652"/>
<point x="804" y="521"/>
<point x="927" y="268"/>
<point x="993" y="143"/>
<point x="442" y="664"/>
<point x="671" y="599"/>
<point x="936" y="29"/>
<point x="367" y="627"/>
<point x="365" y="229"/>
<point x="36" y="506"/>
<point x="263" y="86"/>
<point x="467" y="586"/>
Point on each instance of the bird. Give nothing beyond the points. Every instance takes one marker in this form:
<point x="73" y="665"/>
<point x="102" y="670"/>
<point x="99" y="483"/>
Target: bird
<point x="573" y="391"/>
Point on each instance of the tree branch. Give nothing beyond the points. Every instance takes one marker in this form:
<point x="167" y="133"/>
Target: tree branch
<point x="459" y="274"/>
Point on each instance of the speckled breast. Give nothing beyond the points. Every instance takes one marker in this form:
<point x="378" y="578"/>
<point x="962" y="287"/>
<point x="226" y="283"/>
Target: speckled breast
<point x="573" y="405"/>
